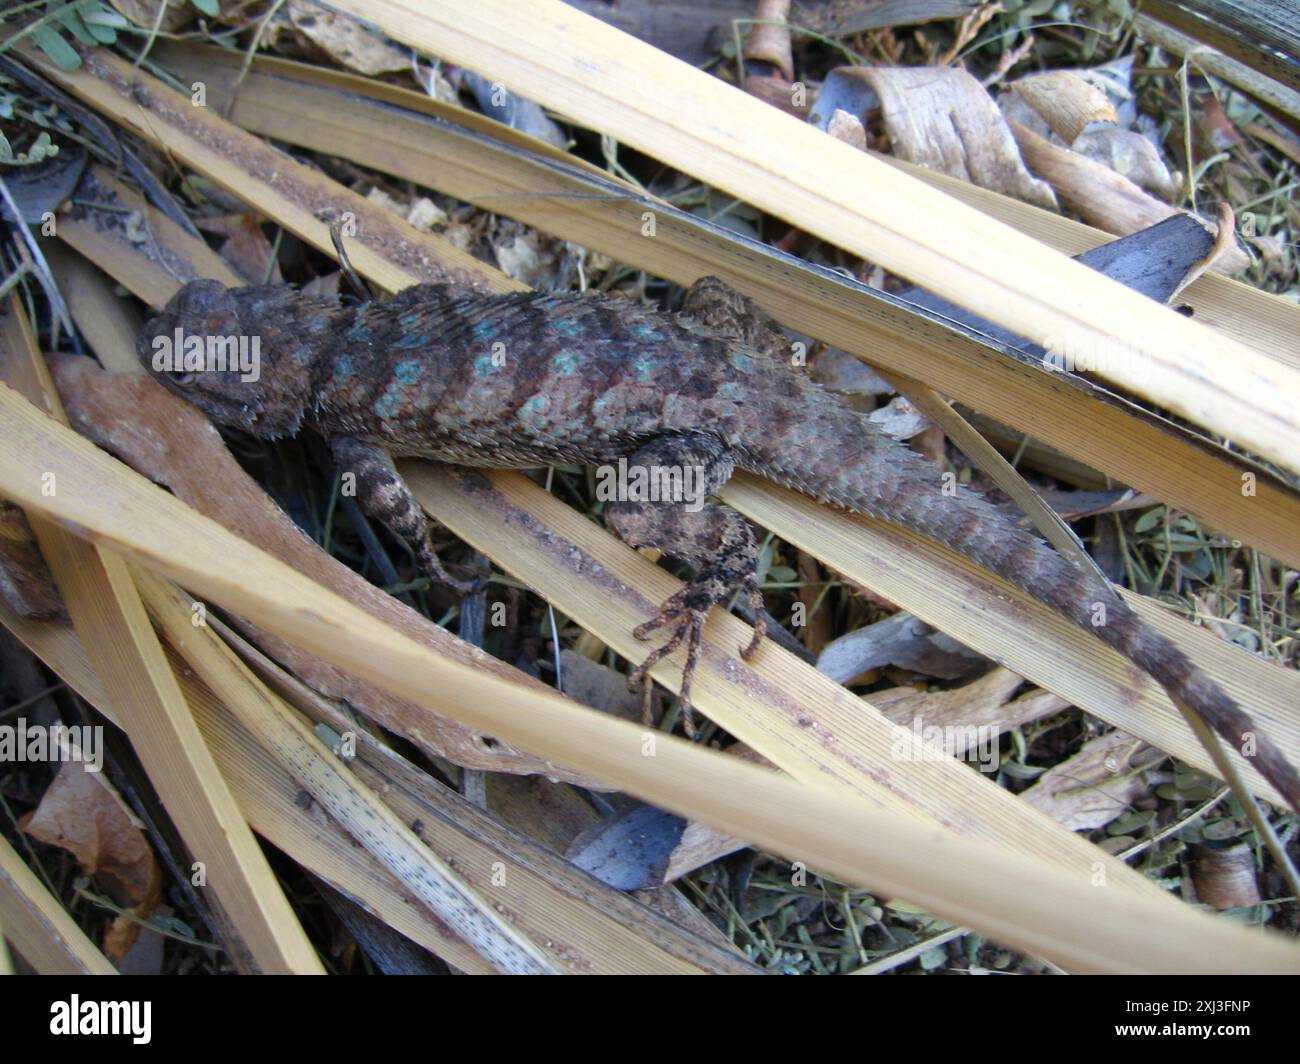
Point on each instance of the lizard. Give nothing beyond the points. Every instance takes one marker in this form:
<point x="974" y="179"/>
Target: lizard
<point x="524" y="380"/>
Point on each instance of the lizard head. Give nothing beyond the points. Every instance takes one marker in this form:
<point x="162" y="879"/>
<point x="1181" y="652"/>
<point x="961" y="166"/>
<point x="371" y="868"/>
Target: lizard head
<point x="224" y="350"/>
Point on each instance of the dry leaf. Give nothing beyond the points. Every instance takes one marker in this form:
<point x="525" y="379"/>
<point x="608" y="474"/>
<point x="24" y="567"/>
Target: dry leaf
<point x="843" y="18"/>
<point x="982" y="703"/>
<point x="1094" y="786"/>
<point x="816" y="630"/>
<point x="246" y="248"/>
<point x="1131" y="155"/>
<point x="899" y="418"/>
<point x="144" y="13"/>
<point x="343" y="39"/>
<point x="1216" y="127"/>
<point x="1078" y="109"/>
<point x="421" y="212"/>
<point x="1015" y="108"/>
<point x="81" y="812"/>
<point x="1065" y="101"/>
<point x="941" y="118"/>
<point x="1225" y="879"/>
<point x="841" y="372"/>
<point x="848" y="128"/>
<point x="687" y="29"/>
<point x="1099" y="195"/>
<point x="902" y="641"/>
<point x="598" y="686"/>
<point x="778" y="93"/>
<point x="768" y="39"/>
<point x="25" y="582"/>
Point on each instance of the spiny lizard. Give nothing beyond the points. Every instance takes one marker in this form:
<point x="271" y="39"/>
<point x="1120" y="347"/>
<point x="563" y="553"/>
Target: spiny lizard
<point x="526" y="380"/>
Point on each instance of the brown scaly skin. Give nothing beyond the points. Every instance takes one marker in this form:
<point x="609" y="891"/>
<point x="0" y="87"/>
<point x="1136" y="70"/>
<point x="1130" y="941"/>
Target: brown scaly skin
<point x="524" y="380"/>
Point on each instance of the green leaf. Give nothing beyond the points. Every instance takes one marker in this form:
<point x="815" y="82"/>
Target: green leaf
<point x="43" y="148"/>
<point x="211" y="8"/>
<point x="1218" y="830"/>
<point x="98" y="15"/>
<point x="102" y="34"/>
<point x="903" y="906"/>
<point x="61" y="53"/>
<point x="1016" y="770"/>
<point x="1247" y="914"/>
<point x="1181" y="542"/>
<point x="1131" y="822"/>
<point x="1200" y="565"/>
<point x="71" y="21"/>
<point x="101" y="23"/>
<point x="903" y="937"/>
<point x="1149" y="520"/>
<point x="174" y="925"/>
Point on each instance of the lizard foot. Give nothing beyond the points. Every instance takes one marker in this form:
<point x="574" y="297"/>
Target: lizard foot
<point x="716" y="541"/>
<point x="686" y="612"/>
<point x="754" y="600"/>
<point x="687" y="618"/>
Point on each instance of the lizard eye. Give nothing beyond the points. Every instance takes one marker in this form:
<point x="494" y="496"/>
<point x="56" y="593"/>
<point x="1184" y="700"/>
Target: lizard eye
<point x="182" y="380"/>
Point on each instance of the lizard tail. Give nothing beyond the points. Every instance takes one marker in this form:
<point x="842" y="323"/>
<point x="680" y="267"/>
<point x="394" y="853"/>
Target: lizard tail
<point x="853" y="466"/>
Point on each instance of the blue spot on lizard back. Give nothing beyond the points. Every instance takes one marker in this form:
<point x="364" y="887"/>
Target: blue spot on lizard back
<point x="388" y="404"/>
<point x="411" y="339"/>
<point x="643" y="331"/>
<point x="408" y="371"/>
<point x="405" y="373"/>
<point x="567" y="327"/>
<point x="741" y="361"/>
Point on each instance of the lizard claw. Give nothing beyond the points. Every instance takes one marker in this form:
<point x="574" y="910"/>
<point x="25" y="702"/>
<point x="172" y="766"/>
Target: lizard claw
<point x="686" y="612"/>
<point x="434" y="567"/>
<point x="472" y="586"/>
<point x="689" y="628"/>
<point x="754" y="599"/>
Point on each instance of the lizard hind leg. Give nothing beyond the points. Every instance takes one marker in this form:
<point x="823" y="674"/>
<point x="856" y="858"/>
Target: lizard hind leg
<point x="663" y="507"/>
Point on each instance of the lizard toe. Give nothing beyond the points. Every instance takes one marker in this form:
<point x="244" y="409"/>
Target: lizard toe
<point x="689" y="629"/>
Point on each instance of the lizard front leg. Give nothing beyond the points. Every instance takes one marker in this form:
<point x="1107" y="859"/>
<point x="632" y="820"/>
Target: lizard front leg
<point x="715" y="540"/>
<point x="383" y="494"/>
